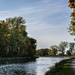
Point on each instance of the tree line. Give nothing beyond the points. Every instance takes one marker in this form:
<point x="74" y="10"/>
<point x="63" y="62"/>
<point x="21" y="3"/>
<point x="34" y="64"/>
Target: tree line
<point x="14" y="41"/>
<point x="63" y="49"/>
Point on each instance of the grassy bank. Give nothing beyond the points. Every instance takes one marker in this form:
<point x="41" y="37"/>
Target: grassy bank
<point x="6" y="60"/>
<point x="61" y="68"/>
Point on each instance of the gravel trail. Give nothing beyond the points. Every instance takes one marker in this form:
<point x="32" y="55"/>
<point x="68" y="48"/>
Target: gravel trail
<point x="72" y="66"/>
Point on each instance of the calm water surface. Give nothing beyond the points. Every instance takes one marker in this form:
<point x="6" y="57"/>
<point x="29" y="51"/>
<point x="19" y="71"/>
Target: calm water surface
<point x="38" y="67"/>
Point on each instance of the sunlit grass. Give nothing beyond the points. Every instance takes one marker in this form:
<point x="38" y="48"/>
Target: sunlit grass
<point x="66" y="68"/>
<point x="61" y="68"/>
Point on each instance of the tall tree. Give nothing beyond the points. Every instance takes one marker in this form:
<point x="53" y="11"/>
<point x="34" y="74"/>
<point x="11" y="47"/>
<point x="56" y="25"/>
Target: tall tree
<point x="72" y="22"/>
<point x="68" y="53"/>
<point x="49" y="52"/>
<point x="54" y="50"/>
<point x="42" y="52"/>
<point x="71" y="47"/>
<point x="4" y="38"/>
<point x="31" y="43"/>
<point x="62" y="46"/>
<point x="17" y="29"/>
<point x="13" y="32"/>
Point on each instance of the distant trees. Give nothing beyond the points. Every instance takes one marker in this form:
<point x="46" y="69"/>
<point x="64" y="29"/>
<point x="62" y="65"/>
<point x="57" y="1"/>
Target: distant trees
<point x="50" y="52"/>
<point x="71" y="47"/>
<point x="14" y="40"/>
<point x="62" y="46"/>
<point x="59" y="50"/>
<point x="42" y="52"/>
<point x="54" y="50"/>
<point x="68" y="53"/>
<point x="73" y="53"/>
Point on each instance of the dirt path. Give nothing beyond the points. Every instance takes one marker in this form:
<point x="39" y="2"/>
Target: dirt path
<point x="72" y="66"/>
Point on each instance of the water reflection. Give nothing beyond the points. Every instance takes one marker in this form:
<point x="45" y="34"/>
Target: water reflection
<point x="38" y="67"/>
<point x="44" y="64"/>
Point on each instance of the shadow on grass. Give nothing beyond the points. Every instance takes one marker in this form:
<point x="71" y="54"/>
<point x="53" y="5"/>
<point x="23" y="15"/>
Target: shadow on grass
<point x="61" y="68"/>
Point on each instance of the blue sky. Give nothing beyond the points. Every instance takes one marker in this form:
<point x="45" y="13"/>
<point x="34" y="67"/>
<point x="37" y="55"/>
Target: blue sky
<point x="46" y="20"/>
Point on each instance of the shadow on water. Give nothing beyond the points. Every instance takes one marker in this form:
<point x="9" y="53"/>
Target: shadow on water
<point x="15" y="60"/>
<point x="14" y="66"/>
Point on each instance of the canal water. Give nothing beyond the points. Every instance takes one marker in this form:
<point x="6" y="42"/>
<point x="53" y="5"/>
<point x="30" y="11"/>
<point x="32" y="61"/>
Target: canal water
<point x="37" y="67"/>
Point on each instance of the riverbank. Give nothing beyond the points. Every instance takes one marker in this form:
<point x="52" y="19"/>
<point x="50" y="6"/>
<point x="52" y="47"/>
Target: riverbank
<point x="57" y="56"/>
<point x="6" y="60"/>
<point x="61" y="68"/>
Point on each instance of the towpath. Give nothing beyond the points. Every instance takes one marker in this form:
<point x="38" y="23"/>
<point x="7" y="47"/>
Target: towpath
<point x="72" y="66"/>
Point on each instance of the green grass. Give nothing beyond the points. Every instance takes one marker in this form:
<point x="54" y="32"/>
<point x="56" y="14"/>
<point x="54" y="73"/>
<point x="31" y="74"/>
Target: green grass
<point x="66" y="68"/>
<point x="61" y="68"/>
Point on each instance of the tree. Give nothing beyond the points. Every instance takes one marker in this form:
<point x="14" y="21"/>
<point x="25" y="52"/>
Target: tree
<point x="72" y="22"/>
<point x="73" y="53"/>
<point x="4" y="37"/>
<point x="62" y="46"/>
<point x="71" y="45"/>
<point x="54" y="50"/>
<point x="17" y="29"/>
<point x="42" y="52"/>
<point x="14" y="40"/>
<point x="31" y="46"/>
<point x="68" y="53"/>
<point x="49" y="52"/>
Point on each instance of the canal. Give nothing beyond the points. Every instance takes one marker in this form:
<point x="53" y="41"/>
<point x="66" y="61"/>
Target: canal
<point x="37" y="67"/>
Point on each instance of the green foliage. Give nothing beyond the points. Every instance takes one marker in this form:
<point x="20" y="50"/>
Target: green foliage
<point x="71" y="30"/>
<point x="54" y="50"/>
<point x="48" y="52"/>
<point x="73" y="53"/>
<point x="59" y="50"/>
<point x="14" y="40"/>
<point x="71" y="49"/>
<point x="62" y="46"/>
<point x="4" y="38"/>
<point x="42" y="52"/>
<point x="68" y="53"/>
<point x="72" y="22"/>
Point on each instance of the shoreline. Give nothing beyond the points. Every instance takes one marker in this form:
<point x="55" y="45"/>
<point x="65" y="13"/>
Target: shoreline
<point x="56" y="56"/>
<point x="61" y="68"/>
<point x="9" y="60"/>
